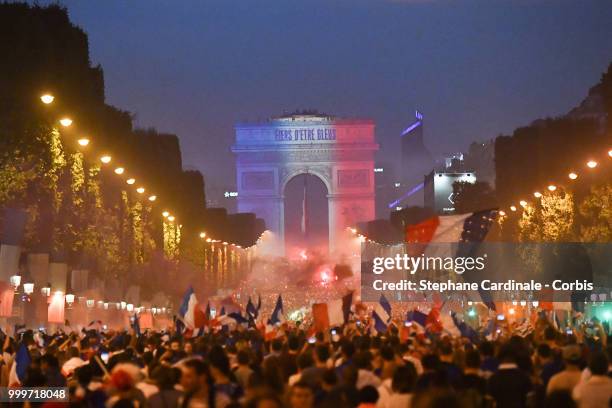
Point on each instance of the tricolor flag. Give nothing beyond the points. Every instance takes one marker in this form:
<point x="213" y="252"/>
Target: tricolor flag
<point x="304" y="221"/>
<point x="465" y="232"/>
<point x="417" y="319"/>
<point x="332" y="314"/>
<point x="465" y="329"/>
<point x="382" y="315"/>
<point x="251" y="311"/>
<point x="277" y="314"/>
<point x="275" y="319"/>
<point x="190" y="315"/>
<point x="20" y="366"/>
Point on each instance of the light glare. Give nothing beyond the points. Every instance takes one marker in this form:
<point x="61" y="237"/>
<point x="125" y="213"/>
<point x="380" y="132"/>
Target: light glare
<point x="65" y="122"/>
<point x="47" y="98"/>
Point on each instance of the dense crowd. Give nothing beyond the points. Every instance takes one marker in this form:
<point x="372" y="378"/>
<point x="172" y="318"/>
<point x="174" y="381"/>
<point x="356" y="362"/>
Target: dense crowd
<point x="345" y="368"/>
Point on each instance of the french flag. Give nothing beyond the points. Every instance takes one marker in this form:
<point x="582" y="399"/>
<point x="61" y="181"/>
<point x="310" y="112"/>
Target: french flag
<point x="382" y="315"/>
<point x="191" y="315"/>
<point x="463" y="232"/>
<point x="332" y="314"/>
<point x="275" y="320"/>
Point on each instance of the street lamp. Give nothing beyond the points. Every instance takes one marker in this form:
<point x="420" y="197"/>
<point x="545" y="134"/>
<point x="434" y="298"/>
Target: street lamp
<point x="83" y="141"/>
<point x="105" y="159"/>
<point x="552" y="187"/>
<point x="90" y="303"/>
<point x="69" y="299"/>
<point x="171" y="218"/>
<point x="512" y="208"/>
<point x="202" y="235"/>
<point x="28" y="288"/>
<point x="152" y="198"/>
<point x="130" y="181"/>
<point x="129" y="307"/>
<point x="47" y="98"/>
<point x="537" y="194"/>
<point x="572" y="176"/>
<point x="140" y="190"/>
<point x="46" y="290"/>
<point x="15" y="281"/>
<point x="591" y="164"/>
<point x="523" y="203"/>
<point x="65" y="122"/>
<point x="119" y="170"/>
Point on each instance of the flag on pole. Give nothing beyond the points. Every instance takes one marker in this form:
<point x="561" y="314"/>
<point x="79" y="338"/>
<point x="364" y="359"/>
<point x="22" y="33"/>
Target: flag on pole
<point x="332" y="314"/>
<point x="20" y="366"/>
<point x="191" y="315"/>
<point x="382" y="315"/>
<point x="303" y="224"/>
<point x="251" y="311"/>
<point x="277" y="314"/>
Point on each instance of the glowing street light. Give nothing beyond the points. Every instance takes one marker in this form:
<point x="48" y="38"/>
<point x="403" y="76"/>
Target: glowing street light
<point x="83" y="141"/>
<point x="165" y="214"/>
<point x="552" y="187"/>
<point x="572" y="176"/>
<point x="591" y="164"/>
<point x="512" y="208"/>
<point x="65" y="122"/>
<point x="130" y="181"/>
<point x="105" y="159"/>
<point x="537" y="194"/>
<point x="15" y="281"/>
<point x="152" y="198"/>
<point x="610" y="153"/>
<point x="171" y="218"/>
<point x="523" y="203"/>
<point x="28" y="288"/>
<point x="202" y="235"/>
<point x="47" y="98"/>
<point x="502" y="213"/>
<point x="69" y="299"/>
<point x="119" y="170"/>
<point x="140" y="190"/>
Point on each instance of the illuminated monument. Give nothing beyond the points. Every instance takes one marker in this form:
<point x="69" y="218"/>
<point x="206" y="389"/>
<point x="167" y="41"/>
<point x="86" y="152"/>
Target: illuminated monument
<point x="338" y="151"/>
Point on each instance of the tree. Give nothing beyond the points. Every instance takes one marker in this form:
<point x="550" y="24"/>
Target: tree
<point x="596" y="214"/>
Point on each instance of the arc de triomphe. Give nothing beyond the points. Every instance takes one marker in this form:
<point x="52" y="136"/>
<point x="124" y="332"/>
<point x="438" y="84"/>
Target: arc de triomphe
<point x="338" y="151"/>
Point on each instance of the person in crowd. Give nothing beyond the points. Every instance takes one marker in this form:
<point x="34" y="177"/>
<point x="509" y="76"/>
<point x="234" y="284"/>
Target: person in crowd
<point x="243" y="371"/>
<point x="301" y="395"/>
<point x="402" y="388"/>
<point x="349" y="368"/>
<point x="595" y="392"/>
<point x="567" y="379"/>
<point x="313" y="375"/>
<point x="368" y="396"/>
<point x="510" y="385"/>
<point x="168" y="396"/>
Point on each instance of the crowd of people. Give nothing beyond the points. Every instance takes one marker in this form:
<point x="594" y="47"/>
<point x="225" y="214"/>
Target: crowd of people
<point x="348" y="367"/>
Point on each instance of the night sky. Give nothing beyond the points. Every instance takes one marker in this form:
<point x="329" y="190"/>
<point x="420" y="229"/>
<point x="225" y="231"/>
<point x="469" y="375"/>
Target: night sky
<point x="474" y="68"/>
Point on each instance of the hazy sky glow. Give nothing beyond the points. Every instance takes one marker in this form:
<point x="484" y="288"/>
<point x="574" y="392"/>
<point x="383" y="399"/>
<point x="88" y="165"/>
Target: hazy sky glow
<point x="474" y="68"/>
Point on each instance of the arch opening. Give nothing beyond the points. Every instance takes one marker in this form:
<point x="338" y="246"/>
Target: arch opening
<point x="306" y="215"/>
